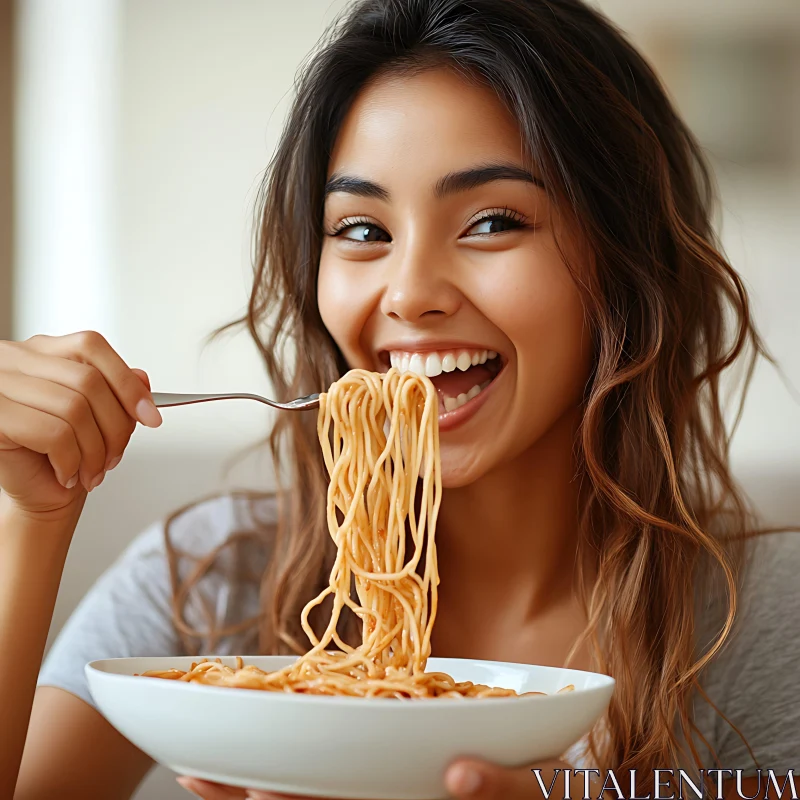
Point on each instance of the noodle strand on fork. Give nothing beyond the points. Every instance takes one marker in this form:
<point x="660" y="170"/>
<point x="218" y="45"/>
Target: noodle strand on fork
<point x="380" y="443"/>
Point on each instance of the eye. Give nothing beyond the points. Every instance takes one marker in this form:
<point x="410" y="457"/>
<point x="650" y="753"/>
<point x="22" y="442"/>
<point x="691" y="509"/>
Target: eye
<point x="361" y="231"/>
<point x="496" y="221"/>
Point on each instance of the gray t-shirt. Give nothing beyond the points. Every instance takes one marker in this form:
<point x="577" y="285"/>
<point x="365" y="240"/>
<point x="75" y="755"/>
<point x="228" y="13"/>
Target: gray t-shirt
<point x="128" y="613"/>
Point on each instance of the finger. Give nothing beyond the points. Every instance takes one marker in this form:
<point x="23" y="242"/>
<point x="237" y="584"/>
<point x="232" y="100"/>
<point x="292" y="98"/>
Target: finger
<point x="211" y="791"/>
<point x="257" y="794"/>
<point x="89" y="347"/>
<point x="478" y="780"/>
<point x="42" y="433"/>
<point x="143" y="377"/>
<point x="68" y="405"/>
<point x="115" y="425"/>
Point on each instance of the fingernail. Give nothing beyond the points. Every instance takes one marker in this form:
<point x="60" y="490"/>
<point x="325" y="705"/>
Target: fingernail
<point x="70" y="484"/>
<point x="97" y="481"/>
<point x="113" y="463"/>
<point x="147" y="413"/>
<point x="464" y="780"/>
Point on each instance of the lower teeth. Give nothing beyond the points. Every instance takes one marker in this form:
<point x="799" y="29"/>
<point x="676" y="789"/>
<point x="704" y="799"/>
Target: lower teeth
<point x="452" y="403"/>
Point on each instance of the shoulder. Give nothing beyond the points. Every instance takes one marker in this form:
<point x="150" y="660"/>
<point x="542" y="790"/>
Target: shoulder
<point x="129" y="611"/>
<point x="201" y="527"/>
<point x="770" y="580"/>
<point x="220" y="547"/>
<point x="765" y="626"/>
<point x="751" y="680"/>
<point x="768" y="588"/>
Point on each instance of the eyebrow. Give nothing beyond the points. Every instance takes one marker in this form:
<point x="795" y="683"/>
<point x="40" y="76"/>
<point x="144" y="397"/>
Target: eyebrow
<point x="360" y="187"/>
<point x="453" y="182"/>
<point x="478" y="176"/>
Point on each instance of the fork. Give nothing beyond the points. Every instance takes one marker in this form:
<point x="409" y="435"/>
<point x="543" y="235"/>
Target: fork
<point x="167" y="399"/>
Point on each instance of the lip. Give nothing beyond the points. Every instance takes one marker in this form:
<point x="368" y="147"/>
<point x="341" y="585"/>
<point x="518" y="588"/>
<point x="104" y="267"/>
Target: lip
<point x="449" y="420"/>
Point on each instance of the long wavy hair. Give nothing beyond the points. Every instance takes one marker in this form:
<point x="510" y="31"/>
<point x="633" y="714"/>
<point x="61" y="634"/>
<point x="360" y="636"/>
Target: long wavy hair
<point x="668" y="316"/>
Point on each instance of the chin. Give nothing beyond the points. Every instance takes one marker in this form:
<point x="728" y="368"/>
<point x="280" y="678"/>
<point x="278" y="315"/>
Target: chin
<point x="459" y="470"/>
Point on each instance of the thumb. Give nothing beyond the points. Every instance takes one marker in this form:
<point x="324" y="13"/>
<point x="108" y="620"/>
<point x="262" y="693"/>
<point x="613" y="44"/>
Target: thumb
<point x="142" y="376"/>
<point x="477" y="780"/>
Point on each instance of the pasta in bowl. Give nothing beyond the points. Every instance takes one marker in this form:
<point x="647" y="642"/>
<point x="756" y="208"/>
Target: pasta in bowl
<point x="349" y="747"/>
<point x="378" y="719"/>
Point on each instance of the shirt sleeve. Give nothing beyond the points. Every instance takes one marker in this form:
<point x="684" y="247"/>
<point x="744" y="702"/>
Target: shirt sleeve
<point x="754" y="679"/>
<point x="126" y="613"/>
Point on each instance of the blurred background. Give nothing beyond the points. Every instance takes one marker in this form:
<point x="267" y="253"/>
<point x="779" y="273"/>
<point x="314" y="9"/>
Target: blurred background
<point x="133" y="135"/>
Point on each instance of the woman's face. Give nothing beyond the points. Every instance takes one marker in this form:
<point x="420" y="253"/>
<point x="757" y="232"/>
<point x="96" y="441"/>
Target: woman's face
<point x="440" y="256"/>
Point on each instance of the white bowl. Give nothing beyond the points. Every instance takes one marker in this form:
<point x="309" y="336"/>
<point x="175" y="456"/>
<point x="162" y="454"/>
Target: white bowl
<point x="379" y="749"/>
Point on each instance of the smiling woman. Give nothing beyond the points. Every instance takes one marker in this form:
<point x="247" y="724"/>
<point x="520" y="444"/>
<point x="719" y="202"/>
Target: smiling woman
<point x="499" y="194"/>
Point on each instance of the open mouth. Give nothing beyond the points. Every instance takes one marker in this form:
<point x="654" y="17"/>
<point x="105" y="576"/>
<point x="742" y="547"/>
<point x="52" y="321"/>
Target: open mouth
<point x="459" y="375"/>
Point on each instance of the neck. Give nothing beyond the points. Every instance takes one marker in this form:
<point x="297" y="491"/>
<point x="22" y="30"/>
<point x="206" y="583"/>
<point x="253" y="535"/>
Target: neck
<point x="515" y="531"/>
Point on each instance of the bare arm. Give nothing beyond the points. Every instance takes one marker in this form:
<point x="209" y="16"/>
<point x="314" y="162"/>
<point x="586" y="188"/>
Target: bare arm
<point x="73" y="752"/>
<point x="32" y="557"/>
<point x="70" y="751"/>
<point x="68" y="406"/>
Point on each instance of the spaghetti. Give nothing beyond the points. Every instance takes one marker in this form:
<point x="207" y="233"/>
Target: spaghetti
<point x="380" y="441"/>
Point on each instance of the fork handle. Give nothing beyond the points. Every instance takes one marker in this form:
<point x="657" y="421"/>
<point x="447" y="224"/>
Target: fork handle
<point x="166" y="399"/>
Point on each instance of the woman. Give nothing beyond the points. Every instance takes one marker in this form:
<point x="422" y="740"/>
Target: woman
<point x="494" y="176"/>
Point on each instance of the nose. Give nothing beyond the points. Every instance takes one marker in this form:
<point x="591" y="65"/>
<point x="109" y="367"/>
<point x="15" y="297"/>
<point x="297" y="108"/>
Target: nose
<point x="419" y="287"/>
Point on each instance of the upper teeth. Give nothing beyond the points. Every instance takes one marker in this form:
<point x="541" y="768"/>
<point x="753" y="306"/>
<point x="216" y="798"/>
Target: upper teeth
<point x="433" y="364"/>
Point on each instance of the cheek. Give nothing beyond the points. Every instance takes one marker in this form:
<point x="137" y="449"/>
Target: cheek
<point x="541" y="312"/>
<point x="344" y="300"/>
<point x="550" y="336"/>
<point x="554" y="359"/>
<point x="534" y="300"/>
